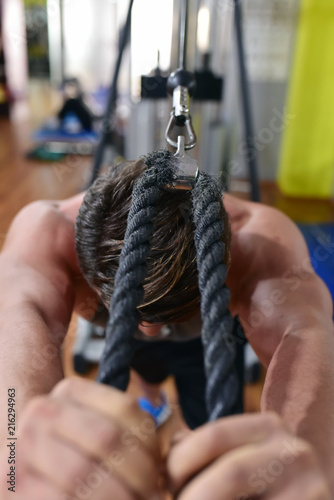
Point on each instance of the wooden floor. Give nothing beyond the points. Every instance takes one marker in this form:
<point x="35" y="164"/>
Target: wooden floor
<point x="23" y="181"/>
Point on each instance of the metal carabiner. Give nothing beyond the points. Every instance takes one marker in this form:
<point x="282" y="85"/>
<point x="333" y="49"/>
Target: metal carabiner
<point x="180" y="119"/>
<point x="186" y="169"/>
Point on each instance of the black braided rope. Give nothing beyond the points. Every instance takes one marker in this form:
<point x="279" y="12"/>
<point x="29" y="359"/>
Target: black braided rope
<point x="217" y="322"/>
<point x="219" y="349"/>
<point x="128" y="292"/>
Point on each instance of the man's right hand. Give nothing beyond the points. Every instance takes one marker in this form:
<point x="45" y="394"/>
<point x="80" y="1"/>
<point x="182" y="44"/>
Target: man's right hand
<point x="85" y="440"/>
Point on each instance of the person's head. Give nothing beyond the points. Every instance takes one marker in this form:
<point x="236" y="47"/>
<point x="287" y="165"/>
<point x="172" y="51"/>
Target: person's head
<point x="171" y="291"/>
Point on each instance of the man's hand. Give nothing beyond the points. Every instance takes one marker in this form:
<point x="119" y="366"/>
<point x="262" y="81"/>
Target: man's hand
<point x="245" y="457"/>
<point x="86" y="440"/>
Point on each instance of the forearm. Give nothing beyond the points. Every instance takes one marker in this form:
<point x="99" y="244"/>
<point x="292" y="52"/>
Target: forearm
<point x="29" y="357"/>
<point x="300" y="387"/>
<point x="35" y="309"/>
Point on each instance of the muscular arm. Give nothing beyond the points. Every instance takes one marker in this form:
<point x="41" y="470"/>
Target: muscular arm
<point x="39" y="280"/>
<point x="286" y="311"/>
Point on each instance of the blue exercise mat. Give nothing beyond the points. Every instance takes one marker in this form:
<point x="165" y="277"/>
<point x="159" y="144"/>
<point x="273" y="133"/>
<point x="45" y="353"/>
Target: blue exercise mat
<point x="320" y="241"/>
<point x="69" y="130"/>
<point x="59" y="134"/>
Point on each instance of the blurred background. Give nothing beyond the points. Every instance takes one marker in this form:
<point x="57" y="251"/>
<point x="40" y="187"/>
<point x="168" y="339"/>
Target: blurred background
<point x="263" y="111"/>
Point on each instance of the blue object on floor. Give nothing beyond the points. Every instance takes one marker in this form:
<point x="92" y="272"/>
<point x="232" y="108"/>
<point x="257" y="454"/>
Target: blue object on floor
<point x="320" y="241"/>
<point x="59" y="134"/>
<point x="159" y="413"/>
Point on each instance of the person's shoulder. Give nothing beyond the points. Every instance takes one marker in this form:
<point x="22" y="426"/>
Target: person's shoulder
<point x="265" y="242"/>
<point x="47" y="216"/>
<point x="41" y="229"/>
<point x="246" y="216"/>
<point x="41" y="218"/>
<point x="38" y="209"/>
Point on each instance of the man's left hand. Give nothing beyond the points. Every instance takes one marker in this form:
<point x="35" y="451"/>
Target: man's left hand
<point x="245" y="457"/>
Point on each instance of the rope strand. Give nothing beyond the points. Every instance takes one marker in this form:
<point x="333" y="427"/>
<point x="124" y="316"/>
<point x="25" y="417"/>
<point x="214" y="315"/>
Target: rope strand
<point x="123" y="315"/>
<point x="217" y="322"/>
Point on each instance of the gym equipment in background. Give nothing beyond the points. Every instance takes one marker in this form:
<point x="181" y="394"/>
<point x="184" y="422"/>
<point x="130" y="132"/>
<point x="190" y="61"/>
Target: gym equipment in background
<point x="107" y="124"/>
<point x="250" y="150"/>
<point x="269" y="29"/>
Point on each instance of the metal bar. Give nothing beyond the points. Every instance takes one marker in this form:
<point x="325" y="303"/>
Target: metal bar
<point x="246" y="106"/>
<point x="112" y="98"/>
<point x="183" y="34"/>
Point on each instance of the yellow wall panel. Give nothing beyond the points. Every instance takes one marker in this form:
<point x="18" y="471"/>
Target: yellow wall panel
<point x="307" y="155"/>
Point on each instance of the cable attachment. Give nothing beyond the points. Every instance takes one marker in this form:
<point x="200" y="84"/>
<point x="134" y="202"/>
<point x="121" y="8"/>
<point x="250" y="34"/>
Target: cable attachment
<point x="181" y="85"/>
<point x="186" y="168"/>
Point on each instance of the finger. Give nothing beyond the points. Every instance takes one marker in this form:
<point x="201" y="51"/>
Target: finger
<point x="250" y="471"/>
<point x="102" y="398"/>
<point x="93" y="432"/>
<point x="97" y="488"/>
<point x="215" y="439"/>
<point x="111" y="403"/>
<point x="139" y="473"/>
<point x="311" y="487"/>
<point x="33" y="487"/>
<point x="57" y="463"/>
<point x="69" y="471"/>
<point x="134" y="467"/>
<point x="83" y="439"/>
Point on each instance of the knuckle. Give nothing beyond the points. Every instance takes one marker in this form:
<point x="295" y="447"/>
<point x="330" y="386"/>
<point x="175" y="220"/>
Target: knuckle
<point x="34" y="406"/>
<point x="39" y="416"/>
<point x="272" y="423"/>
<point x="41" y="407"/>
<point x="106" y="438"/>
